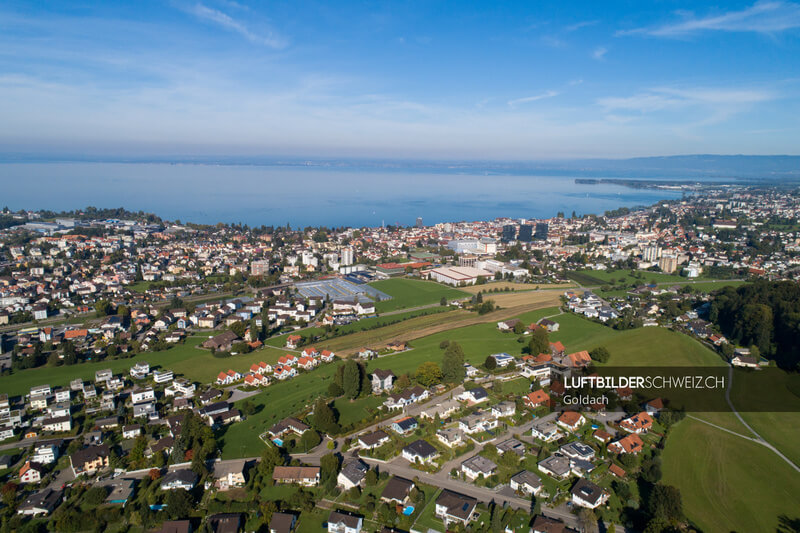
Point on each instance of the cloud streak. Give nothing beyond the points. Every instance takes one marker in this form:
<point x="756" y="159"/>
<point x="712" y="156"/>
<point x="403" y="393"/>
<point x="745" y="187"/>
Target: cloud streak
<point x="533" y="98"/>
<point x="599" y="53"/>
<point x="224" y="20"/>
<point x="707" y="105"/>
<point x="762" y="17"/>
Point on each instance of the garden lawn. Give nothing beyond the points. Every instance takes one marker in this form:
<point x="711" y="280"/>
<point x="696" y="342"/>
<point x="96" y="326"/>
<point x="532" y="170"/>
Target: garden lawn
<point x="728" y="483"/>
<point x="352" y="412"/>
<point x="412" y="293"/>
<point x="276" y="402"/>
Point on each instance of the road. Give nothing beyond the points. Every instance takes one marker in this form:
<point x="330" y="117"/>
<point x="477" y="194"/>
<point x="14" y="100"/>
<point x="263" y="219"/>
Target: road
<point x="24" y="443"/>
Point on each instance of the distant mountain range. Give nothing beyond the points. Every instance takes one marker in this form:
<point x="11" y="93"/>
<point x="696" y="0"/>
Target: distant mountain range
<point x="677" y="167"/>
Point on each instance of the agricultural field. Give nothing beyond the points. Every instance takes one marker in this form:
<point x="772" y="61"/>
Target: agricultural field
<point x="512" y="286"/>
<point x="423" y="326"/>
<point x="515" y="299"/>
<point x="413" y="293"/>
<point x="728" y="483"/>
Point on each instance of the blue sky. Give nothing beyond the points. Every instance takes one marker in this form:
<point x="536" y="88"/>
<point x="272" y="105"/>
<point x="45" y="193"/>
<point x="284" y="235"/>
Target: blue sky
<point x="526" y="80"/>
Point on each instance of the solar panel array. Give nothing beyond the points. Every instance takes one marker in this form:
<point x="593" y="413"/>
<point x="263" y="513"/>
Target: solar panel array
<point x="339" y="289"/>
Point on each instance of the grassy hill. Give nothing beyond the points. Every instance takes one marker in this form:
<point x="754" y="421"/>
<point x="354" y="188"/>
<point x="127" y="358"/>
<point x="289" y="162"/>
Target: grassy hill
<point x="728" y="483"/>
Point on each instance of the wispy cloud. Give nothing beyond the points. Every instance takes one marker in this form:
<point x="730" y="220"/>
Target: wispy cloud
<point x="268" y="38"/>
<point x="533" y="98"/>
<point x="582" y="24"/>
<point x="761" y="17"/>
<point x="599" y="53"/>
<point x="710" y="105"/>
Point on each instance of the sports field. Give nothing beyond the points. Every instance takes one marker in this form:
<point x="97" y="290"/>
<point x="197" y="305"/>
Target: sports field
<point x="728" y="483"/>
<point x="412" y="293"/>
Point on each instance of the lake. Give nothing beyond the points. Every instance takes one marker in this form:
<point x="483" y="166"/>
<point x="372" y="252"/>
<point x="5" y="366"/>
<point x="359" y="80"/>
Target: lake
<point x="307" y="196"/>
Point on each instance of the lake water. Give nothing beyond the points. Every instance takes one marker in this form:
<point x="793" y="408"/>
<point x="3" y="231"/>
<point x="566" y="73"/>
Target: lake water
<point x="303" y="196"/>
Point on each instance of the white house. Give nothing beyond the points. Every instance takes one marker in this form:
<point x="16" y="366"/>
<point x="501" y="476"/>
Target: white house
<point x="477" y="466"/>
<point x="162" y="376"/>
<point x="142" y="395"/>
<point x="587" y="494"/>
<point x="45" y="454"/>
<point x="179" y="479"/>
<point x="132" y="431"/>
<point x="339" y="522"/>
<point x="454" y="507"/>
<point x="526" y="482"/>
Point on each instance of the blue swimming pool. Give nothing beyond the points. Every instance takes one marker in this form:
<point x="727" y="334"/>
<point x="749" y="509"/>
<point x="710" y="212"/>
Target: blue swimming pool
<point x="409" y="510"/>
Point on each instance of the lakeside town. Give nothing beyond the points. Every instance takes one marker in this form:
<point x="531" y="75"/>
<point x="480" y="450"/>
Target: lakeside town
<point x="177" y="377"/>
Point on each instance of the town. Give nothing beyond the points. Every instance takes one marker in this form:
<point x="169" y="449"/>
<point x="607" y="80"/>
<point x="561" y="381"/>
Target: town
<point x="177" y="377"/>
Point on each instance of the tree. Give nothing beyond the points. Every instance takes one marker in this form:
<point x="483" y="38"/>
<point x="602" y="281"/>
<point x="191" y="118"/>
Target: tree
<point x="651" y="470"/>
<point x="443" y="301"/>
<point x="453" y="370"/>
<point x="600" y="354"/>
<point x="665" y="503"/>
<point x="540" y="342"/>
<point x="351" y="379"/>
<point x="403" y="382"/>
<point x="324" y="418"/>
<point x="519" y="328"/>
<point x="239" y="328"/>
<point x="248" y="408"/>
<point x="329" y="470"/>
<point x="310" y="439"/>
<point x="371" y="478"/>
<point x="270" y="458"/>
<point x="96" y="495"/>
<point x="179" y="503"/>
<point x="102" y="308"/>
<point x="335" y="390"/>
<point x="490" y="363"/>
<point x="9" y="493"/>
<point x="428" y="374"/>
